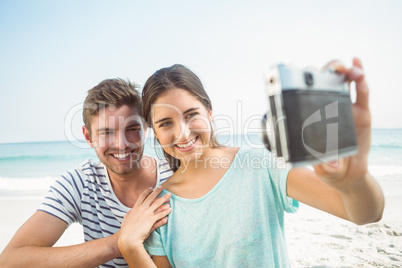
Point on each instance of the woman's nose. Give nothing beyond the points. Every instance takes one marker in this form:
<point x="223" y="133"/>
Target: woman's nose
<point x="183" y="132"/>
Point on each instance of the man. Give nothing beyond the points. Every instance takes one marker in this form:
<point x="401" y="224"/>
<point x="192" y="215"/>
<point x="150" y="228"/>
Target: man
<point x="96" y="194"/>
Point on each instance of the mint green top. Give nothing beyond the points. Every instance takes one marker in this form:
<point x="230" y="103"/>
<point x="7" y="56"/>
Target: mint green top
<point x="238" y="223"/>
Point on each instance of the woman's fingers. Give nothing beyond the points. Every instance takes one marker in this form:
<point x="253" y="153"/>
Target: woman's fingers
<point x="162" y="208"/>
<point x="160" y="201"/>
<point x="158" y="224"/>
<point x="354" y="74"/>
<point x="142" y="197"/>
<point x="335" y="65"/>
<point x="162" y="218"/>
<point x="149" y="203"/>
<point x="148" y="196"/>
<point x="358" y="63"/>
<point x="362" y="89"/>
<point x="151" y="198"/>
<point x="163" y="214"/>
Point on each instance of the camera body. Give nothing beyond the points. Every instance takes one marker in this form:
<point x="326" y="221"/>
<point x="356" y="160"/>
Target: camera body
<point x="309" y="120"/>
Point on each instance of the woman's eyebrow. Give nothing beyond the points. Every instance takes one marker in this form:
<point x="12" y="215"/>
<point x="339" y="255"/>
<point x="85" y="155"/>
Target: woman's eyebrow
<point x="191" y="110"/>
<point x="163" y="119"/>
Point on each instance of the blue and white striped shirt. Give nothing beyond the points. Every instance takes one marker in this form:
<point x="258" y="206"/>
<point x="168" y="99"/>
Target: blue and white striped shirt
<point x="85" y="195"/>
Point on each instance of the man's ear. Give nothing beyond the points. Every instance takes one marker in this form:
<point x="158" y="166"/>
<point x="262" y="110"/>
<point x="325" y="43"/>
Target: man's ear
<point x="87" y="136"/>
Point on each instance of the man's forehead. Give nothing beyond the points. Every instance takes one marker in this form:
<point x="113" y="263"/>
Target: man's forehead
<point x="116" y="111"/>
<point x="112" y="116"/>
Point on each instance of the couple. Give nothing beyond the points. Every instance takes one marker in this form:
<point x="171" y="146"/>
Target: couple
<point x="220" y="215"/>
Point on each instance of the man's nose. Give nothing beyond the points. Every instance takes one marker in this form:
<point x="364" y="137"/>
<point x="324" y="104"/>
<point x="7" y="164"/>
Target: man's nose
<point x="120" y="141"/>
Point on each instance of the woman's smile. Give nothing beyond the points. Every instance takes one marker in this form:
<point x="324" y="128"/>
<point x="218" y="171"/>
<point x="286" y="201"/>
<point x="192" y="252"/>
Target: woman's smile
<point x="187" y="146"/>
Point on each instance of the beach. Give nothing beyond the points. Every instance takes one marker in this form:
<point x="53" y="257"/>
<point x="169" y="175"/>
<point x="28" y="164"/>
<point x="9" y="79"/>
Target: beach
<point x="19" y="210"/>
<point x="315" y="238"/>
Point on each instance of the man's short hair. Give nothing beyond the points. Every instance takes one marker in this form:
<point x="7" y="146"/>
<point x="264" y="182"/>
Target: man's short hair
<point x="110" y="92"/>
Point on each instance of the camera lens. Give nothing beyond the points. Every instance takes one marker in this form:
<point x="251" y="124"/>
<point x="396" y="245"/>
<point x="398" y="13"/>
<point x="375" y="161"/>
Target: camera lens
<point x="309" y="78"/>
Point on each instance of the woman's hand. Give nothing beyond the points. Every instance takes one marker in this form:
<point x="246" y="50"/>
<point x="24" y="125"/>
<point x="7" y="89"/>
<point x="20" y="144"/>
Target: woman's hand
<point x="342" y="173"/>
<point x="344" y="188"/>
<point x="149" y="212"/>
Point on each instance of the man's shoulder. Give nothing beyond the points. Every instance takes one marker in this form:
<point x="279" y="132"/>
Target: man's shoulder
<point x="88" y="169"/>
<point x="91" y="166"/>
<point x="163" y="170"/>
<point x="163" y="166"/>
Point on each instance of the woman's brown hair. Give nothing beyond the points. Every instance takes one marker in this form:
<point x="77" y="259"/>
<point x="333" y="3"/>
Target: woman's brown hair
<point x="175" y="76"/>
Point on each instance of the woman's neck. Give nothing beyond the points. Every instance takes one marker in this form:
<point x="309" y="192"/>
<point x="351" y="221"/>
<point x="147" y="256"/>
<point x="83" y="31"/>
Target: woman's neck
<point x="210" y="161"/>
<point x="197" y="177"/>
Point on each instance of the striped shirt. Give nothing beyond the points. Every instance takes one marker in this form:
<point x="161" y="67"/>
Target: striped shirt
<point x="85" y="195"/>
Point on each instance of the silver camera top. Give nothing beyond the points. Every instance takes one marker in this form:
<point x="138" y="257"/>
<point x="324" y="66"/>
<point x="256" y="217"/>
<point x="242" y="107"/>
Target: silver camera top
<point x="285" y="77"/>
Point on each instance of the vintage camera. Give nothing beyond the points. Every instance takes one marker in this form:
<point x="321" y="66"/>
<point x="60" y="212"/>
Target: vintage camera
<point x="309" y="120"/>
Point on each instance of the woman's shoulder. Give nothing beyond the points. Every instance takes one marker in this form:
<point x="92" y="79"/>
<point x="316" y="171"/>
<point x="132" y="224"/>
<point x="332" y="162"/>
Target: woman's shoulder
<point x="241" y="151"/>
<point x="258" y="151"/>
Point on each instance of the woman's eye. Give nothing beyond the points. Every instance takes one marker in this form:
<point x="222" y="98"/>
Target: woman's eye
<point x="191" y="115"/>
<point x="165" y="124"/>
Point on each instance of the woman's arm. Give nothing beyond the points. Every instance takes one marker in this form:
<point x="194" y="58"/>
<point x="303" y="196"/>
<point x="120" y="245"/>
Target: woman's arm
<point x="161" y="262"/>
<point x="148" y="212"/>
<point x="344" y="188"/>
<point x="362" y="203"/>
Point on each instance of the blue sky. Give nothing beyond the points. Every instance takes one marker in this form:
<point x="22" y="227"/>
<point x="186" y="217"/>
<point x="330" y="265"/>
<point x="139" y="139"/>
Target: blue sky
<point x="52" y="52"/>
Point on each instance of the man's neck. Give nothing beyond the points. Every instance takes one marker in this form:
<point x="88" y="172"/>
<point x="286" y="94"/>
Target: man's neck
<point x="128" y="187"/>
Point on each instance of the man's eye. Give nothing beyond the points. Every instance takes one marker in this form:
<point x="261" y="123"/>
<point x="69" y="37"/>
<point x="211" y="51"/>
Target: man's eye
<point x="106" y="133"/>
<point x="134" y="129"/>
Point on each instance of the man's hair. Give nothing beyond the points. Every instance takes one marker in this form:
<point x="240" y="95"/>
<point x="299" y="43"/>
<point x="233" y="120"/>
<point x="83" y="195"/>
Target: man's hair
<point x="110" y="92"/>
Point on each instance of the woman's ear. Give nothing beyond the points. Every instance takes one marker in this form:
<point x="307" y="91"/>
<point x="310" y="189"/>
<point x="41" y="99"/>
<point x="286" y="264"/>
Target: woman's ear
<point x="210" y="115"/>
<point x="153" y="130"/>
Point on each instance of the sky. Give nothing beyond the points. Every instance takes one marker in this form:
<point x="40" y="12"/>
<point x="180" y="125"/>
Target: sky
<point x="53" y="52"/>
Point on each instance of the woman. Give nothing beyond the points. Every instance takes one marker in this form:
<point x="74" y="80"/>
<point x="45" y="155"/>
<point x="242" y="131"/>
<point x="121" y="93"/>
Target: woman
<point x="228" y="203"/>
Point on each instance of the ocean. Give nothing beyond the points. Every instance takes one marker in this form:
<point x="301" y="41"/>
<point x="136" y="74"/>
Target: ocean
<point x="27" y="169"/>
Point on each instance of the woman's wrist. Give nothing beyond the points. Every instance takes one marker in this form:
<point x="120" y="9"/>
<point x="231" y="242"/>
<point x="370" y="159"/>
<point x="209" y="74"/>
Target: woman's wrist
<point x="129" y="245"/>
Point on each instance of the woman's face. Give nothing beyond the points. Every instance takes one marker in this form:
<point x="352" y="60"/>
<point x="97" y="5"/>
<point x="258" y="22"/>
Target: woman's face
<point x="182" y="124"/>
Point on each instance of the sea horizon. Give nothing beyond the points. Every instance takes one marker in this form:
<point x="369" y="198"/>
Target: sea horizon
<point x="149" y="134"/>
<point x="28" y="168"/>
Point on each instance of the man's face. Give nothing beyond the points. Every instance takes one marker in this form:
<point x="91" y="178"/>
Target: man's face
<point x="117" y="136"/>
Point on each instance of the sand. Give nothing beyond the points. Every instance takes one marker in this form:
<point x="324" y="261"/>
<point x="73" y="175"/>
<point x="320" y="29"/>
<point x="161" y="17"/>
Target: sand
<point x="19" y="210"/>
<point x="315" y="239"/>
